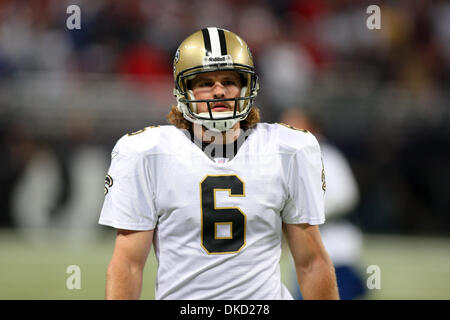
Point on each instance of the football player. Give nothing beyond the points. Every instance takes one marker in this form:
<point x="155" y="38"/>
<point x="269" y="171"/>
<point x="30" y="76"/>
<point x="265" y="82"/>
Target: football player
<point x="214" y="191"/>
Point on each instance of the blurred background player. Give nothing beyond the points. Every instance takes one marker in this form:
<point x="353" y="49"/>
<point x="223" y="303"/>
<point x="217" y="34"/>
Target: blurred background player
<point x="342" y="238"/>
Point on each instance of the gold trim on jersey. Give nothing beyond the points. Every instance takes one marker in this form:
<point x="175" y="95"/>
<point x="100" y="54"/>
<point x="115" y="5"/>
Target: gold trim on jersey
<point x="142" y="130"/>
<point x="292" y="127"/>
<point x="108" y="184"/>
<point x="223" y="223"/>
<point x="109" y="180"/>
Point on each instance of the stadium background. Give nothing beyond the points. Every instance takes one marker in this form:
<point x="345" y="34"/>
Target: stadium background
<point x="381" y="96"/>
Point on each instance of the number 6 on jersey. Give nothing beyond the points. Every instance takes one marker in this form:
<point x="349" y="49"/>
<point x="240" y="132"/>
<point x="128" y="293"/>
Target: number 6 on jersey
<point x="213" y="219"/>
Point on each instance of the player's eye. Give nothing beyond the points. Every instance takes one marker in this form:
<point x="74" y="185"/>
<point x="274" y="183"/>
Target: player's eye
<point x="205" y="83"/>
<point x="229" y="83"/>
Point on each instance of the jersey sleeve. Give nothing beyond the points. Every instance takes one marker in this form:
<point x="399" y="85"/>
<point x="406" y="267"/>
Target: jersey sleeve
<point x="129" y="197"/>
<point x="306" y="186"/>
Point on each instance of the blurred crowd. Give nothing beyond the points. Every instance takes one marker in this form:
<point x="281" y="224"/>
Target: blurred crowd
<point x="381" y="96"/>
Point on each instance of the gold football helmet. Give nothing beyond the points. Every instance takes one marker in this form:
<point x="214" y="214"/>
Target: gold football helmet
<point x="208" y="50"/>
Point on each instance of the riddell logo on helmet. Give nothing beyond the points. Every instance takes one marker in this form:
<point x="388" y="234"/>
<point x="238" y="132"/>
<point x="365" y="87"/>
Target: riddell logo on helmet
<point x="217" y="59"/>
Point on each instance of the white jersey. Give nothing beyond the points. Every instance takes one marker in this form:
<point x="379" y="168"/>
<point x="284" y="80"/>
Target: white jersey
<point x="218" y="226"/>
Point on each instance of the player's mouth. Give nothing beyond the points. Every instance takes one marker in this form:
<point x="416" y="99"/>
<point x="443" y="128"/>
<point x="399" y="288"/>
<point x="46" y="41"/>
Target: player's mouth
<point x="217" y="107"/>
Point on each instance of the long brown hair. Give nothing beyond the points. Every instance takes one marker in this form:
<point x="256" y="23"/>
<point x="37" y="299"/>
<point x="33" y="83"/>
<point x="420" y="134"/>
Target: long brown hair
<point x="176" y="118"/>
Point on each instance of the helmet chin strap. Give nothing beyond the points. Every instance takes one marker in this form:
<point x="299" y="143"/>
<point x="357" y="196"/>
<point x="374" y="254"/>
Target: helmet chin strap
<point x="218" y="125"/>
<point x="214" y="125"/>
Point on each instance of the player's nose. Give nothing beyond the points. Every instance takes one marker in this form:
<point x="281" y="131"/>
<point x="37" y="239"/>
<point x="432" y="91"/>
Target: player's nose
<point x="218" y="90"/>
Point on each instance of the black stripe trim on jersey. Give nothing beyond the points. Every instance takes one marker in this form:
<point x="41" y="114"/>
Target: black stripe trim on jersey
<point x="207" y="41"/>
<point x="223" y="43"/>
